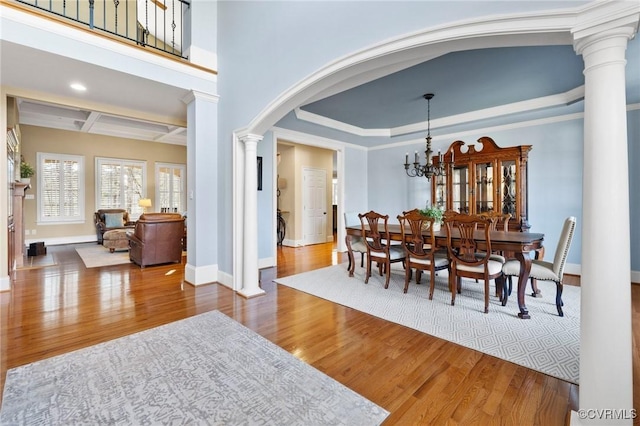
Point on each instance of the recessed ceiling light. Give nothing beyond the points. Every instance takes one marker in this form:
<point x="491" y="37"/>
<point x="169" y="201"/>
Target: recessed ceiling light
<point x="79" y="87"/>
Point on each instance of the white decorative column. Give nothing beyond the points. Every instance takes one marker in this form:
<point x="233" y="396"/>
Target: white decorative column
<point x="202" y="190"/>
<point x="251" y="275"/>
<point x="606" y="372"/>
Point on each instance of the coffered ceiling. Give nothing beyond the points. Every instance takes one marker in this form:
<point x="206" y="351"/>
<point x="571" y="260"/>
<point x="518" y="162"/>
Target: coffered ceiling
<point x="44" y="114"/>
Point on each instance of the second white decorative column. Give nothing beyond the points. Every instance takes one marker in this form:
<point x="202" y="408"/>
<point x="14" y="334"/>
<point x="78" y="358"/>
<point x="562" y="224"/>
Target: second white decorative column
<point x="606" y="371"/>
<point x="251" y="274"/>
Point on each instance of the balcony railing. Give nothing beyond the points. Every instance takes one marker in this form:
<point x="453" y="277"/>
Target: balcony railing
<point x="158" y="24"/>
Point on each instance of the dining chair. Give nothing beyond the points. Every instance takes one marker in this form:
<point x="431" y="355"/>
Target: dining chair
<point x="378" y="244"/>
<point x="498" y="222"/>
<point x="420" y="250"/>
<point x="356" y="244"/>
<point x="547" y="271"/>
<point x="465" y="234"/>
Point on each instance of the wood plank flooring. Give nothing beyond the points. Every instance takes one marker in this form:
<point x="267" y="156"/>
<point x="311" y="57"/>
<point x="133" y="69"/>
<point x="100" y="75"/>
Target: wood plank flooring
<point x="420" y="379"/>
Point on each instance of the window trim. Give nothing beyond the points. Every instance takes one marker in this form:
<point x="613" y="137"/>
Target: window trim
<point x="79" y="159"/>
<point x="183" y="168"/>
<point x="99" y="161"/>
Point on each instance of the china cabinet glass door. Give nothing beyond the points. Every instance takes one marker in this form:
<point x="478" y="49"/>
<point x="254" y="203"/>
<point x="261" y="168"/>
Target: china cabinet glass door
<point x="508" y="187"/>
<point x="460" y="189"/>
<point x="484" y="187"/>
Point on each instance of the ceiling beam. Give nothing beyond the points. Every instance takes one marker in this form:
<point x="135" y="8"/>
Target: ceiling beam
<point x="89" y="122"/>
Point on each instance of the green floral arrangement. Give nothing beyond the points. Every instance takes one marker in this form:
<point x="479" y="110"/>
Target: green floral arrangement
<point x="26" y="170"/>
<point x="433" y="212"/>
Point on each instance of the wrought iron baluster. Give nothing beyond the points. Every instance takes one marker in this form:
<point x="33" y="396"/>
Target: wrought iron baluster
<point x="173" y="24"/>
<point x="116" y="3"/>
<point x="90" y="13"/>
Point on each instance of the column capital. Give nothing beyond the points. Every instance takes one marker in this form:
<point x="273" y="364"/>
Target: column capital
<point x="194" y="94"/>
<point x="604" y="20"/>
<point x="249" y="137"/>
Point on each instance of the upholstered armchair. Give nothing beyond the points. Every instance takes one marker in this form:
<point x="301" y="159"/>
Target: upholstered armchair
<point x="110" y="219"/>
<point x="156" y="239"/>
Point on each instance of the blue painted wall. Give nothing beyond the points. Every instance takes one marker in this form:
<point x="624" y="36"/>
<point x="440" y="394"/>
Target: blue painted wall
<point x="265" y="48"/>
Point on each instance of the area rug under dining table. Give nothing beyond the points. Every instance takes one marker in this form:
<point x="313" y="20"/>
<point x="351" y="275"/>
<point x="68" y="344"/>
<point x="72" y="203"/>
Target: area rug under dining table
<point x="546" y="343"/>
<point x="203" y="370"/>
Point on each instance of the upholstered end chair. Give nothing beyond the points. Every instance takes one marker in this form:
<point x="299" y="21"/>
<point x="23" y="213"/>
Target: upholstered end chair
<point x="156" y="239"/>
<point x="548" y="271"/>
<point x="111" y="219"/>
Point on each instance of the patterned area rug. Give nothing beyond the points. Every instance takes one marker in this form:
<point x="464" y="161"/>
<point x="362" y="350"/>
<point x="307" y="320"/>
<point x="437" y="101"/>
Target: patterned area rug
<point x="95" y="255"/>
<point x="204" y="370"/>
<point x="546" y="342"/>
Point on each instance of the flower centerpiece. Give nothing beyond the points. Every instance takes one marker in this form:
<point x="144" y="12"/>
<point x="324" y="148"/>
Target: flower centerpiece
<point x="436" y="214"/>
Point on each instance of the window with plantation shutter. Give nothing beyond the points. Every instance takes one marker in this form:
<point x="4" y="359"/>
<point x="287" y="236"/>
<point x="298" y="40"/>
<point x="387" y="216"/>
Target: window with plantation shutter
<point x="171" y="187"/>
<point x="60" y="188"/>
<point x="120" y="184"/>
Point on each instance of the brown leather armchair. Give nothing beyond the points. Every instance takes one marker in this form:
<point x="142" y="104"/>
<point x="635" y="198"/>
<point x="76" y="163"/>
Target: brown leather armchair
<point x="110" y="219"/>
<point x="157" y="238"/>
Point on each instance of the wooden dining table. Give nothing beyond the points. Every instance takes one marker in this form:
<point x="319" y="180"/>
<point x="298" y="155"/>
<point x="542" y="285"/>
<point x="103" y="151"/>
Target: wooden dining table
<point x="519" y="244"/>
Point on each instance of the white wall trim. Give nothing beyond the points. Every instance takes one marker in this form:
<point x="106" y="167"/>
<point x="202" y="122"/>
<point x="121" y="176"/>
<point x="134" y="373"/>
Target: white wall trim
<point x="55" y="241"/>
<point x="5" y="283"/>
<point x="573" y="269"/>
<point x="199" y="275"/>
<point x="486" y="130"/>
<point x="321" y="120"/>
<point x="312" y="140"/>
<point x="292" y="243"/>
<point x="225" y="279"/>
<point x="266" y="262"/>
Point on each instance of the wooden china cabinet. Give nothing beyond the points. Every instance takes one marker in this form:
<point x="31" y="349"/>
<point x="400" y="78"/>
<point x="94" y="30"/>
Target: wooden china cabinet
<point x="488" y="178"/>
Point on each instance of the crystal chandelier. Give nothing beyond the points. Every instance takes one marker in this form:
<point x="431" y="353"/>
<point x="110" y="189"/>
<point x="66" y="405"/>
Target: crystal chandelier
<point x="428" y="169"/>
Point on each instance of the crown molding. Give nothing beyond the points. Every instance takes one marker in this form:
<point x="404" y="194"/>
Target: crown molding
<point x="603" y="16"/>
<point x="281" y="133"/>
<point x="550" y="101"/>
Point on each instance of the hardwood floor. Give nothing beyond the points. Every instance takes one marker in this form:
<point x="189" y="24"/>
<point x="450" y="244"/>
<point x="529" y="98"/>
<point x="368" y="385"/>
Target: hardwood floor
<point x="418" y="378"/>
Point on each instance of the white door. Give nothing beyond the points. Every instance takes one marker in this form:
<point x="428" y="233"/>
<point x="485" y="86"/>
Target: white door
<point x="314" y="195"/>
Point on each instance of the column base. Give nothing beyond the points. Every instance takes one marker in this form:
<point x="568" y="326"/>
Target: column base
<point x="253" y="292"/>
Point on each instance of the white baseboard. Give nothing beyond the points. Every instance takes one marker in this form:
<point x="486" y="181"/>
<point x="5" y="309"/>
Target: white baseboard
<point x="77" y="239"/>
<point x="573" y="269"/>
<point x="199" y="275"/>
<point x="266" y="262"/>
<point x="292" y="243"/>
<point x="225" y="279"/>
<point x="5" y="283"/>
